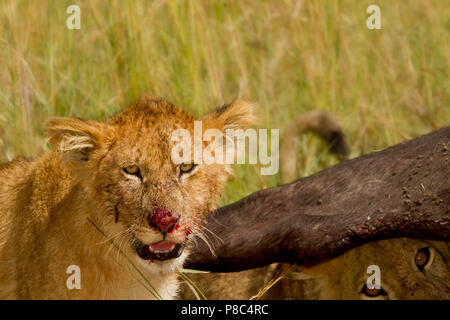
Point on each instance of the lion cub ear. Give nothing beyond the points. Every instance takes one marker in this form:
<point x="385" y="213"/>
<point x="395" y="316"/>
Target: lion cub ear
<point x="239" y="114"/>
<point x="77" y="139"/>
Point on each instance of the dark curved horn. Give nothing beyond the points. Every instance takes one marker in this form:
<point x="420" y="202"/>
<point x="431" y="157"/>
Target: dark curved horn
<point x="403" y="191"/>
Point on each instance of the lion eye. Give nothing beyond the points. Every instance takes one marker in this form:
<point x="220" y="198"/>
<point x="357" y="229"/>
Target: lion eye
<point x="422" y="258"/>
<point x="187" y="167"/>
<point x="133" y="169"/>
<point x="372" y="292"/>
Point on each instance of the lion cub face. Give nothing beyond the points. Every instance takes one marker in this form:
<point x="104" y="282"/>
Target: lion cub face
<point x="409" y="269"/>
<point x="147" y="204"/>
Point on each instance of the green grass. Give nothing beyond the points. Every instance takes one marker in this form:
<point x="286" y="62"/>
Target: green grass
<point x="384" y="86"/>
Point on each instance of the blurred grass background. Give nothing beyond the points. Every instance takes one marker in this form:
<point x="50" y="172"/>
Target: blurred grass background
<point x="289" y="57"/>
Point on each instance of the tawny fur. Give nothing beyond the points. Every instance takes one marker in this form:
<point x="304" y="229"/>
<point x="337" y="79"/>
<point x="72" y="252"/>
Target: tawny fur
<point x="48" y="206"/>
<point x="345" y="276"/>
<point x="319" y="122"/>
<point x="341" y="278"/>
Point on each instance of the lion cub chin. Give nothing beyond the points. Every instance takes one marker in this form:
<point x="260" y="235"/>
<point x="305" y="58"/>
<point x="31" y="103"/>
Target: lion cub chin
<point x="107" y="213"/>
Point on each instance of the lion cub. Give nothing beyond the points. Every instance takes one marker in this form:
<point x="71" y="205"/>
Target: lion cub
<point x="109" y="203"/>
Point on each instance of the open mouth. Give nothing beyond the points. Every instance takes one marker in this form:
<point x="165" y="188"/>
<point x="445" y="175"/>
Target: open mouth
<point x="162" y="250"/>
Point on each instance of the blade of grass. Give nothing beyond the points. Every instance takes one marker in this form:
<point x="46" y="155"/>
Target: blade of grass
<point x="272" y="283"/>
<point x="192" y="283"/>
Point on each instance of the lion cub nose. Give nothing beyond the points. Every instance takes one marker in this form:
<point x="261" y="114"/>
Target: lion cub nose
<point x="163" y="220"/>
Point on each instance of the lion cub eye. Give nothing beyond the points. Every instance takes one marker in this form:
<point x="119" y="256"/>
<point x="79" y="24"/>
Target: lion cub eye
<point x="422" y="258"/>
<point x="133" y="170"/>
<point x="372" y="293"/>
<point x="187" y="167"/>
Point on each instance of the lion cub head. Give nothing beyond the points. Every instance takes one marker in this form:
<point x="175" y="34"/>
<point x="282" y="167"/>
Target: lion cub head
<point x="145" y="202"/>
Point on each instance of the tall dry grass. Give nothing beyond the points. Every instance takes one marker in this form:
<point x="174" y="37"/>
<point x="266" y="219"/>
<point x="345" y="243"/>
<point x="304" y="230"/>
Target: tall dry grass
<point x="384" y="86"/>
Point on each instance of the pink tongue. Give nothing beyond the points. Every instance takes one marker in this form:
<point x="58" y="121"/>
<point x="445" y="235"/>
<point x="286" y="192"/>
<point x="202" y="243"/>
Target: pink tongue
<point x="162" y="246"/>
